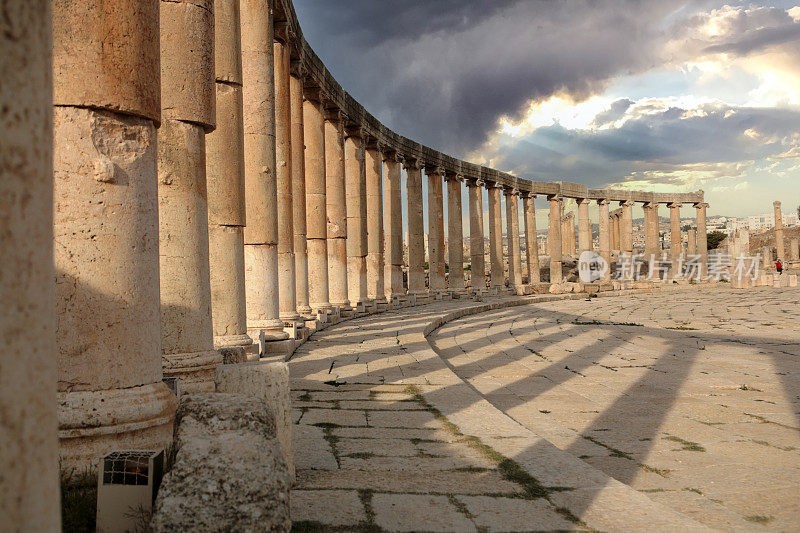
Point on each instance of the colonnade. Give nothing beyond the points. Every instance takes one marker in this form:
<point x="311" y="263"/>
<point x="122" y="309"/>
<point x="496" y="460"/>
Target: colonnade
<point x="205" y="186"/>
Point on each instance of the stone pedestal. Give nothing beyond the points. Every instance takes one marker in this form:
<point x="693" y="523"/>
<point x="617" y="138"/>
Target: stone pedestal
<point x="436" y="267"/>
<point x="554" y="239"/>
<point x="497" y="279"/>
<point x="476" y="241"/>
<point x="29" y="495"/>
<point x="336" y="206"/>
<point x="105" y="225"/>
<point x="356" y="191"/>
<point x="416" y="245"/>
<point x="393" y="211"/>
<point x="531" y="242"/>
<point x="188" y="112"/>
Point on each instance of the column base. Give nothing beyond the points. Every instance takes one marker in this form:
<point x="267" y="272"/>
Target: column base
<point x="195" y="370"/>
<point x="94" y="423"/>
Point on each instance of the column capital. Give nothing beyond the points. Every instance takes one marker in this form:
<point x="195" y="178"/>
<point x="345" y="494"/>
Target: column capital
<point x="449" y="175"/>
<point x="776" y="204"/>
<point x="390" y="155"/>
<point x="297" y="68"/>
<point x="510" y="191"/>
<point x="674" y="205"/>
<point x="334" y="114"/>
<point x="554" y="197"/>
<point x="528" y="194"/>
<point x="603" y="201"/>
<point x="473" y="182"/>
<point x="411" y="163"/>
<point x="314" y="94"/>
<point x="372" y="143"/>
<point x="433" y="170"/>
<point x="491" y="184"/>
<point x="283" y="33"/>
<point x="627" y="203"/>
<point x="580" y="201"/>
<point x="649" y="205"/>
<point x="703" y="205"/>
<point x="355" y="130"/>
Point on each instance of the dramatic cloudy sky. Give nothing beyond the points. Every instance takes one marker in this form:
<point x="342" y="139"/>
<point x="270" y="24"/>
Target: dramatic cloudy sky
<point x="661" y="95"/>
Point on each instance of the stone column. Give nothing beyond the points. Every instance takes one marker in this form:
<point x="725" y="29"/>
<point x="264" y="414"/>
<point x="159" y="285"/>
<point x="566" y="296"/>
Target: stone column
<point x="568" y="234"/>
<point x="651" y="247"/>
<point x="512" y="233"/>
<point x="416" y="245"/>
<point x="287" y="301"/>
<point x="584" y="226"/>
<point x="393" y="211"/>
<point x="779" y="245"/>
<point x="626" y="227"/>
<point x="675" y="239"/>
<point x="702" y="237"/>
<point x="495" y="236"/>
<point x="476" y="252"/>
<point x="374" y="190"/>
<point x="261" y="193"/>
<point x="336" y="206"/>
<point x="299" y="191"/>
<point x="436" y="267"/>
<point x="105" y="226"/>
<point x="225" y="183"/>
<point x="29" y="495"/>
<point x="614" y="225"/>
<point x="188" y="113"/>
<point x="356" y="190"/>
<point x="554" y="238"/>
<point x="455" y="233"/>
<point x="604" y="238"/>
<point x="691" y="241"/>
<point x="316" y="212"/>
<point x="531" y="242"/>
<point x="794" y="254"/>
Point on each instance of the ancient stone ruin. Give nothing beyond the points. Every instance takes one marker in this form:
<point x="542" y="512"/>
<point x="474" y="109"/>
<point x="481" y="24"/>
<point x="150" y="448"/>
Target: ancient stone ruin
<point x="184" y="188"/>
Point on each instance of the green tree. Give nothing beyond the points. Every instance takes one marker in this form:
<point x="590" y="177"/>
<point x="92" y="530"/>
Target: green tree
<point x="714" y="239"/>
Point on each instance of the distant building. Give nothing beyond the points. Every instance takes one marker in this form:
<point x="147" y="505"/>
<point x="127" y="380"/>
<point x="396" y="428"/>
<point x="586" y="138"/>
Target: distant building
<point x="767" y="221"/>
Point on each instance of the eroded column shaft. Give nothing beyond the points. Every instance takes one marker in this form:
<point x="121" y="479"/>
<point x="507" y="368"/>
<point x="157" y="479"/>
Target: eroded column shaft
<point x="584" y="226"/>
<point x="188" y="112"/>
<point x="393" y="210"/>
<point x="626" y="228"/>
<point x="416" y="244"/>
<point x="356" y="189"/>
<point x="531" y="242"/>
<point x="512" y="236"/>
<point x="299" y="196"/>
<point x="651" y="246"/>
<point x="261" y="193"/>
<point x="676" y="240"/>
<point x="316" y="211"/>
<point x="287" y="300"/>
<point x="779" y="244"/>
<point x="455" y="233"/>
<point x="105" y="225"/>
<point x="336" y="206"/>
<point x="495" y="237"/>
<point x="29" y="492"/>
<point x="554" y="239"/>
<point x="225" y="184"/>
<point x="604" y="237"/>
<point x="476" y="241"/>
<point x="691" y="242"/>
<point x="702" y="238"/>
<point x="436" y="265"/>
<point x="375" y="267"/>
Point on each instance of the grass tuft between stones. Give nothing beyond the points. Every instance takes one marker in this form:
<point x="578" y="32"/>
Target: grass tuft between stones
<point x="78" y="501"/>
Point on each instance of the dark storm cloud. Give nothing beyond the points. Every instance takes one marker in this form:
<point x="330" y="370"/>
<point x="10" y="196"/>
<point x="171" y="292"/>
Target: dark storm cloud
<point x="666" y="141"/>
<point x="443" y="71"/>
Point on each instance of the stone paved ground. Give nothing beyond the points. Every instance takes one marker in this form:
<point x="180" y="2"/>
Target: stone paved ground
<point x="690" y="398"/>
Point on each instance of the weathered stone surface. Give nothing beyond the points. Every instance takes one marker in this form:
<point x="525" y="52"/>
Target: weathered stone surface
<point x="268" y="381"/>
<point x="229" y="472"/>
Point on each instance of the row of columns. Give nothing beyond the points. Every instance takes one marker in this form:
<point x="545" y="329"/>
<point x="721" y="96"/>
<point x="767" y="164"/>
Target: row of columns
<point x="200" y="197"/>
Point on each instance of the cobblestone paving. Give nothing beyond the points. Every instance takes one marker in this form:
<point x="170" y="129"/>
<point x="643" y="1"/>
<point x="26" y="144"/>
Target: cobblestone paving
<point x="372" y="454"/>
<point x="692" y="398"/>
